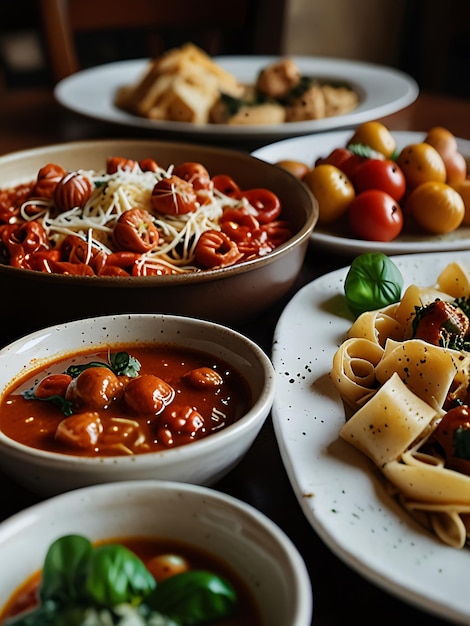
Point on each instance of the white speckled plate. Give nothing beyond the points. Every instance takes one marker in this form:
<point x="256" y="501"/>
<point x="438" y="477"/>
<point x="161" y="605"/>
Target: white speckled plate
<point x="336" y="486"/>
<point x="310" y="147"/>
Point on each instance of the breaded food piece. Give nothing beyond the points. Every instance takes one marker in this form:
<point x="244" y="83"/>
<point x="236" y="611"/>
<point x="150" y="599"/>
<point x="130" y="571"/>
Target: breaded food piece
<point x="311" y="105"/>
<point x="339" y="100"/>
<point x="181" y="85"/>
<point x="278" y="79"/>
<point x="320" y="101"/>
<point x="248" y="114"/>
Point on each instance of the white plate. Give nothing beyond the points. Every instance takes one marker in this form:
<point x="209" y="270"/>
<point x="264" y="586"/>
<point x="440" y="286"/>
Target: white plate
<point x="308" y="149"/>
<point x="382" y="91"/>
<point x="335" y="485"/>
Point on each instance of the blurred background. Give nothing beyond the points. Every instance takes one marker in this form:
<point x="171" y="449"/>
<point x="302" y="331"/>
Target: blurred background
<point x="429" y="39"/>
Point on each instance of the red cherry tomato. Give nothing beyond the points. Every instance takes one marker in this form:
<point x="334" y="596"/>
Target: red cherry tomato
<point x="375" y="216"/>
<point x="378" y="174"/>
<point x="447" y="434"/>
<point x="337" y="157"/>
<point x="351" y="165"/>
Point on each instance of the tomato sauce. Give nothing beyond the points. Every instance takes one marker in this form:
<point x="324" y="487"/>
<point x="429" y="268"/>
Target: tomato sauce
<point x="147" y="548"/>
<point x="178" y="396"/>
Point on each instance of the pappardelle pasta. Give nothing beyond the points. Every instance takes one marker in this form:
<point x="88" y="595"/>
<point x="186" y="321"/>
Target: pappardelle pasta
<point x="403" y="373"/>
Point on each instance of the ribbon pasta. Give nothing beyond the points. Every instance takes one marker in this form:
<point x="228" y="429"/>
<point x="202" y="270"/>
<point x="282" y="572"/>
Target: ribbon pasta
<point x="395" y="387"/>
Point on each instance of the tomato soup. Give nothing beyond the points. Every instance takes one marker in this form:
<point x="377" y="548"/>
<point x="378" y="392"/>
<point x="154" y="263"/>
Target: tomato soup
<point x="129" y="400"/>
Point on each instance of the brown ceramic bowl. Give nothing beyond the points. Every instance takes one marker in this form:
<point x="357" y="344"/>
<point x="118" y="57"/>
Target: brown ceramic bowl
<point x="229" y="295"/>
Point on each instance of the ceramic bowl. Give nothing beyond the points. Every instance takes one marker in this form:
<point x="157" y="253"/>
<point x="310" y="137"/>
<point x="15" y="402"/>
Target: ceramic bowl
<point x="203" y="461"/>
<point x="227" y="295"/>
<point x="254" y="547"/>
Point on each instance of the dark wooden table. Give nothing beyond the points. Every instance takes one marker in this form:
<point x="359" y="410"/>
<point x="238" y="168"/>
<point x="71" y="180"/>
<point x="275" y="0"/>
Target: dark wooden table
<point x="30" y="118"/>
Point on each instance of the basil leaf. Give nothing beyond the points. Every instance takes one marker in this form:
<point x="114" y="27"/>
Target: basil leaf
<point x="124" y="364"/>
<point x="194" y="598"/>
<point x="65" y="570"/>
<point x="116" y="575"/>
<point x="64" y="405"/>
<point x="373" y="281"/>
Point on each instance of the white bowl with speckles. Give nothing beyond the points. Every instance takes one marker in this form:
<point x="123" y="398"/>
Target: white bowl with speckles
<point x="255" y="548"/>
<point x="200" y="462"/>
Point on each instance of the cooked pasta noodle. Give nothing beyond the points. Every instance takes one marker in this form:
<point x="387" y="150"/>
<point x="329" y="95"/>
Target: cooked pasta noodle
<point x="398" y="388"/>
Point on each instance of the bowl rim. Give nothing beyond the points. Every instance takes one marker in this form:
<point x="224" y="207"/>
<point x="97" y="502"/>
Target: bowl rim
<point x="174" y="279"/>
<point x="299" y="579"/>
<point x="255" y="416"/>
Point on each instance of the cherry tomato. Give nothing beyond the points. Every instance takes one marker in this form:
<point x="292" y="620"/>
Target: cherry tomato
<point x="446" y="144"/>
<point x="266" y="204"/>
<point x="332" y="189"/>
<point x="296" y="168"/>
<point x="385" y="175"/>
<point x="163" y="566"/>
<point x="337" y="157"/>
<point x="450" y="430"/>
<point x="463" y="189"/>
<point x="135" y="231"/>
<point x="420" y="162"/>
<point x="174" y="196"/>
<point x="375" y="216"/>
<point x="376" y="136"/>
<point x="441" y="139"/>
<point x="352" y="164"/>
<point x="436" y="207"/>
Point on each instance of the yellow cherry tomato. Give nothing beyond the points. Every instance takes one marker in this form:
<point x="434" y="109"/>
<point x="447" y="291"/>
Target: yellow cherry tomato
<point x="446" y="144"/>
<point x="463" y="188"/>
<point x="297" y="168"/>
<point x="376" y="136"/>
<point x="420" y="162"/>
<point x="436" y="207"/>
<point x="332" y="189"/>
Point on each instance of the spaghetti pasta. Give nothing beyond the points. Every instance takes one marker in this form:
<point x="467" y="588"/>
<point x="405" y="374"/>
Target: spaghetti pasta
<point x="120" y="189"/>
